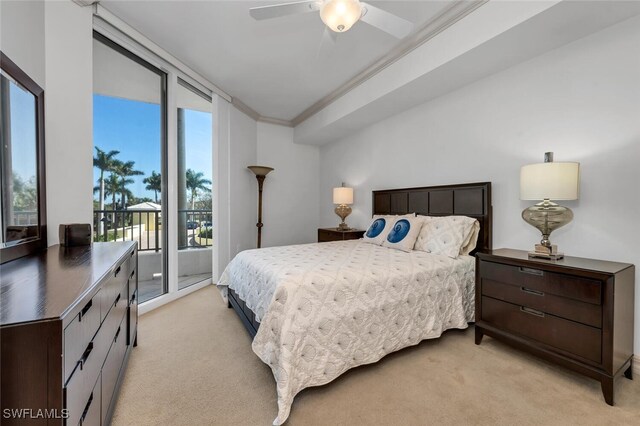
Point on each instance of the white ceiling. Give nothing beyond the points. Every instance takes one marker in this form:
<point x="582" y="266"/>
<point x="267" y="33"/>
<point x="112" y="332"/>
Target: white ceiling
<point x="278" y="67"/>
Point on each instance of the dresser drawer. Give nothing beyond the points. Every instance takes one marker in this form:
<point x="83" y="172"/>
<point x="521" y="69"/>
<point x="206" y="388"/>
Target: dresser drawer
<point x="562" y="307"/>
<point x="133" y="282"/>
<point x="569" y="336"/>
<point x="111" y="289"/>
<point x="572" y="287"/>
<point x="132" y="318"/>
<point x="112" y="321"/>
<point x="91" y="413"/>
<point x="326" y="236"/>
<point x="133" y="260"/>
<point x="82" y="397"/>
<point x="79" y="333"/>
<point x="352" y="236"/>
<point x="111" y="369"/>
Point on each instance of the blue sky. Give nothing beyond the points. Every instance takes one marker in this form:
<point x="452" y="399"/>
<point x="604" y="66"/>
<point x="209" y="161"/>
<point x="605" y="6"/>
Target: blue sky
<point x="23" y="129"/>
<point x="133" y="128"/>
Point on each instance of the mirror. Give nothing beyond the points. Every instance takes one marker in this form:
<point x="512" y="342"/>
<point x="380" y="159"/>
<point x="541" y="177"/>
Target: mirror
<point x="22" y="220"/>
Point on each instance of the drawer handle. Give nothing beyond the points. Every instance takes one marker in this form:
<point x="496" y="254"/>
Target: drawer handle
<point x="133" y="297"/>
<point x="84" y="310"/>
<point x="86" y="408"/>
<point x="115" y="274"/>
<point x="132" y="273"/>
<point x="531" y="271"/>
<point x="115" y="339"/>
<point x="117" y="300"/>
<point x="86" y="354"/>
<point x="531" y="311"/>
<point x="530" y="291"/>
<point x="132" y="253"/>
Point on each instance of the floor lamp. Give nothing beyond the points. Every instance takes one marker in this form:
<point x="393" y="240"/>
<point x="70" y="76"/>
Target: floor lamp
<point x="261" y="172"/>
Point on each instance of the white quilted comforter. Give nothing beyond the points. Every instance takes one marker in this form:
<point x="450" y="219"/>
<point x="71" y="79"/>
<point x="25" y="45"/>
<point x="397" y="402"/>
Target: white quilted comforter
<point x="325" y="308"/>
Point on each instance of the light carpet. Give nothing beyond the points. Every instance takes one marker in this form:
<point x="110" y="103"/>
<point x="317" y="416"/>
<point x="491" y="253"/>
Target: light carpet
<point x="194" y="366"/>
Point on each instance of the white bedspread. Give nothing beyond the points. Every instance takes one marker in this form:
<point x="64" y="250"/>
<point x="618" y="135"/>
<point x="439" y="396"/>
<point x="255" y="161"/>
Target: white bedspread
<point x="325" y="308"/>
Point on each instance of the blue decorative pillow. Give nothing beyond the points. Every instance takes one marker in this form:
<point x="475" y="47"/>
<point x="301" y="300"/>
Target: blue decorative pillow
<point x="399" y="231"/>
<point x="380" y="226"/>
<point x="376" y="228"/>
<point x="403" y="233"/>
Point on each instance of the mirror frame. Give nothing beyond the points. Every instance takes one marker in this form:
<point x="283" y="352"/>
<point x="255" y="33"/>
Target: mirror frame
<point x="24" y="247"/>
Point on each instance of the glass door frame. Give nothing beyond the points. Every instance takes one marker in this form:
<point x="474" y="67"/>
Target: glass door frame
<point x="164" y="198"/>
<point x="169" y="197"/>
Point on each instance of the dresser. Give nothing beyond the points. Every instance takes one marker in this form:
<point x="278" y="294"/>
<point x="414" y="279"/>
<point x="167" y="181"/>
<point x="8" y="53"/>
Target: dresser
<point x="335" y="234"/>
<point x="68" y="323"/>
<point x="575" y="312"/>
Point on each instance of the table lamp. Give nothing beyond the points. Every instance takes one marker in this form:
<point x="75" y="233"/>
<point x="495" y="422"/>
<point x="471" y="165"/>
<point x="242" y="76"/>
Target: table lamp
<point x="548" y="181"/>
<point x="343" y="197"/>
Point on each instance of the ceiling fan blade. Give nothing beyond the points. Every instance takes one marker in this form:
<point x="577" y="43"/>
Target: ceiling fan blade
<point x="385" y="21"/>
<point x="327" y="43"/>
<point x="329" y="37"/>
<point x="284" y="9"/>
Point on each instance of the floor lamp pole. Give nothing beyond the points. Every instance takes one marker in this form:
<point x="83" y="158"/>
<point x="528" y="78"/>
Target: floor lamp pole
<point x="259" y="224"/>
<point x="261" y="173"/>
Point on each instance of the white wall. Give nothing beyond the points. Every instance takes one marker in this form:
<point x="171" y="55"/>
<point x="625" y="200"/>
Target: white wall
<point x="290" y="197"/>
<point x="244" y="202"/>
<point x="68" y="115"/>
<point x="51" y="42"/>
<point x="22" y="36"/>
<point x="581" y="101"/>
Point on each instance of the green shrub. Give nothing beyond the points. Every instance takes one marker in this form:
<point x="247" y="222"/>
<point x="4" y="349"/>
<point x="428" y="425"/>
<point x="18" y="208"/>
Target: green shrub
<point x="206" y="233"/>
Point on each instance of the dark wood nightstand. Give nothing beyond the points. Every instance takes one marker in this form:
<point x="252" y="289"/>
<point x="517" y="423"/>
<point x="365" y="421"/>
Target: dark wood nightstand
<point x="574" y="312"/>
<point x="334" y="234"/>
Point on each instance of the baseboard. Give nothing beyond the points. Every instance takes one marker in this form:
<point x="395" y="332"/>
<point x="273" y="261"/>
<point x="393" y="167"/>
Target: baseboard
<point x="636" y="366"/>
<point x="170" y="297"/>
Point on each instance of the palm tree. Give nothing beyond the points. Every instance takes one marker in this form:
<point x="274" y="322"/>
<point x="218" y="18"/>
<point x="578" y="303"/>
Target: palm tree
<point x="103" y="161"/>
<point x="195" y="182"/>
<point x="112" y="188"/>
<point x="154" y="183"/>
<point x="125" y="170"/>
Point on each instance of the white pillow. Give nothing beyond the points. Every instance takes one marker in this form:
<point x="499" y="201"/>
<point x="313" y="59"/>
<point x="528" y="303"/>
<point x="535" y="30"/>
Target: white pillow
<point x="469" y="245"/>
<point x="379" y="228"/>
<point x="403" y="233"/>
<point x="445" y="234"/>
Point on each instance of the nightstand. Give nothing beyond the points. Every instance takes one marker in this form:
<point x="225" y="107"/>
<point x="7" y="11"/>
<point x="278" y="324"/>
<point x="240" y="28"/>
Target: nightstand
<point x="574" y="312"/>
<point x="334" y="234"/>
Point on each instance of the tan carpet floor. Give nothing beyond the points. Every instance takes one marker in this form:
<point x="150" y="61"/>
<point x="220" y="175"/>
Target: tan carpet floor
<point x="194" y="366"/>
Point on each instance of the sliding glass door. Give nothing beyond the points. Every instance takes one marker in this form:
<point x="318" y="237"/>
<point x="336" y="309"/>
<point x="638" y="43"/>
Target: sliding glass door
<point x="194" y="158"/>
<point x="130" y="145"/>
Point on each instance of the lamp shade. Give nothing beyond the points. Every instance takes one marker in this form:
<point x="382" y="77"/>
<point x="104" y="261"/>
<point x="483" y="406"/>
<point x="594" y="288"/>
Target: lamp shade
<point x="342" y="195"/>
<point x="340" y="15"/>
<point x="552" y="181"/>
<point x="260" y="170"/>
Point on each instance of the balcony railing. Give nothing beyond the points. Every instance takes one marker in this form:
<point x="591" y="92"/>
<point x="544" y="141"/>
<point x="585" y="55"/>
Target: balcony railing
<point x="195" y="228"/>
<point x="25" y="217"/>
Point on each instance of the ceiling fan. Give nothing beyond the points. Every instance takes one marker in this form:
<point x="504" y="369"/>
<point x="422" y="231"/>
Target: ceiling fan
<point x="339" y="15"/>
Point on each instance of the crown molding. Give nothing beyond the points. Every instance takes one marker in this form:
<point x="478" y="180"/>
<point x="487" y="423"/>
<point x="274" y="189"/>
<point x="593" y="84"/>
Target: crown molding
<point x="256" y="116"/>
<point x="245" y="108"/>
<point x="276" y="121"/>
<point x="84" y="3"/>
<point x="433" y="27"/>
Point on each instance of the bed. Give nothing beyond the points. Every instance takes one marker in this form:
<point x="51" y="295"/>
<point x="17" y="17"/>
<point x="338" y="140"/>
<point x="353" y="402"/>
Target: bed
<point x="317" y="310"/>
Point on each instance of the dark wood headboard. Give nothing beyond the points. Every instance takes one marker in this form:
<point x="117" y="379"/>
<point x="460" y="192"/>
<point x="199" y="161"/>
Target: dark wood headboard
<point x="468" y="199"/>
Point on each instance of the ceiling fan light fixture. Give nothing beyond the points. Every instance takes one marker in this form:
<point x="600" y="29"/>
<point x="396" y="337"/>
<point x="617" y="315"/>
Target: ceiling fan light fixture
<point x="340" y="15"/>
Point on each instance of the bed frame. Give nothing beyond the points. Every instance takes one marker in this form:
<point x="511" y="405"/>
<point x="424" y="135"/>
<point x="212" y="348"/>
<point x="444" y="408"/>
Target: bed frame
<point x="469" y="199"/>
